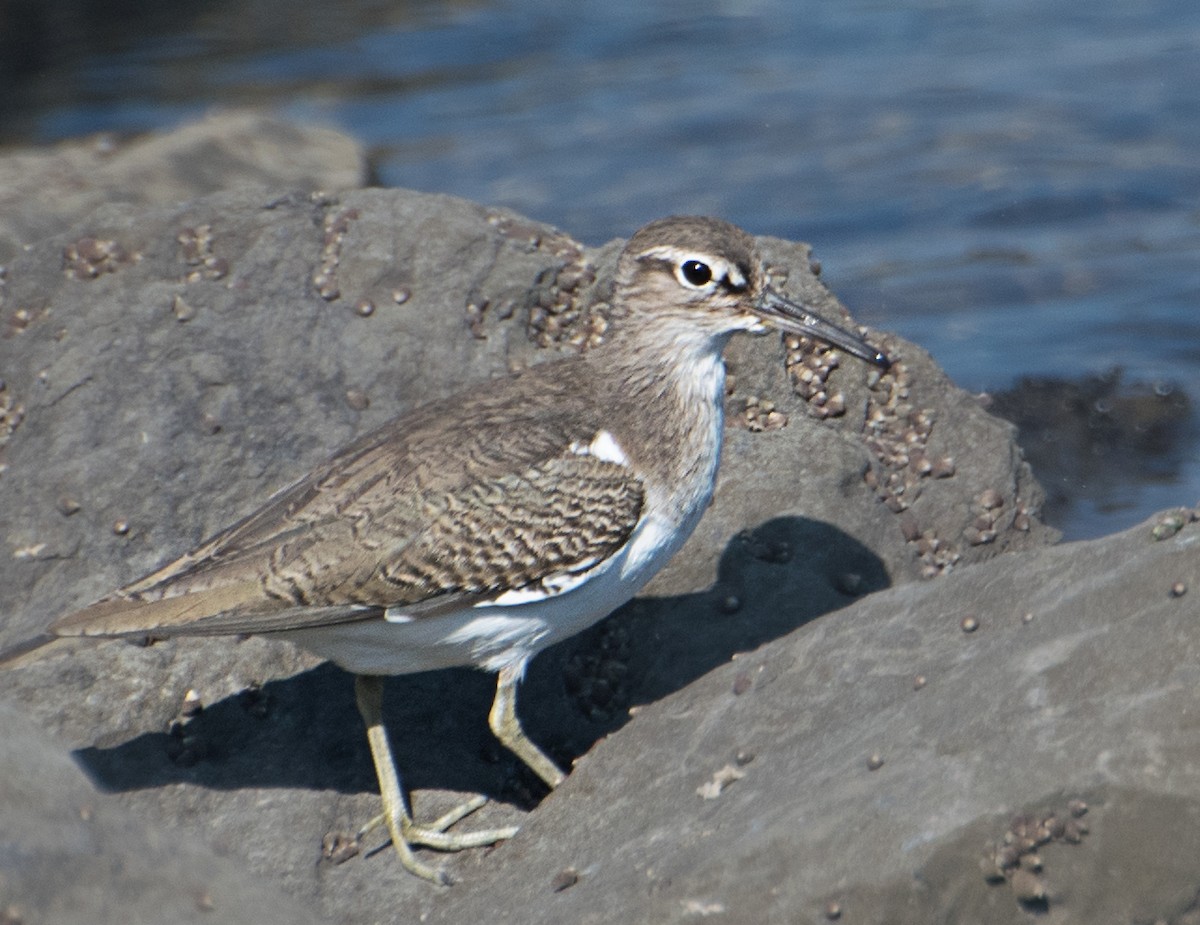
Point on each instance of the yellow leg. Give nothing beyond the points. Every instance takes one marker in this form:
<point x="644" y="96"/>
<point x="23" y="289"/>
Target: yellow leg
<point x="396" y="816"/>
<point x="504" y="723"/>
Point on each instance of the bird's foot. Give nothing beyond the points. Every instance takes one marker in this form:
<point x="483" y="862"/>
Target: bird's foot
<point x="405" y="834"/>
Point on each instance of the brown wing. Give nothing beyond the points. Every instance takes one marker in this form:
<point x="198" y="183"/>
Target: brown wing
<point x="378" y="525"/>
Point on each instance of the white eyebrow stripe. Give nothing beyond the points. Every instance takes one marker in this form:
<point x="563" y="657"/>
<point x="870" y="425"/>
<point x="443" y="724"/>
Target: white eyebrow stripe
<point x="672" y="253"/>
<point x="722" y="268"/>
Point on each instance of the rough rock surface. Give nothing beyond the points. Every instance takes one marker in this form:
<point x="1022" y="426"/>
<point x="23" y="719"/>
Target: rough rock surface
<point x="167" y="366"/>
<point x="819" y="770"/>
<point x="72" y="856"/>
<point x="45" y="191"/>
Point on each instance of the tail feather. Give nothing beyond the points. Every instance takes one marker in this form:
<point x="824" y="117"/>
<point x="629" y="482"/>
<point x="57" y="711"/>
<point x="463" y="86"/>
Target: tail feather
<point x="122" y="616"/>
<point x="39" y="647"/>
<point x="220" y="611"/>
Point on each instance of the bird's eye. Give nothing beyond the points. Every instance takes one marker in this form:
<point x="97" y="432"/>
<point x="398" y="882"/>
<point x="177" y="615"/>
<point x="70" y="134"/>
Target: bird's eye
<point x="696" y="272"/>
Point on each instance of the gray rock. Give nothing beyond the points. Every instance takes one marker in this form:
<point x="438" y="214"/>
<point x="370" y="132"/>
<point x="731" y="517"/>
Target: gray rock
<point x="45" y="191"/>
<point x="166" y="367"/>
<point x="1085" y="699"/>
<point x="217" y="349"/>
<point x="72" y="856"/>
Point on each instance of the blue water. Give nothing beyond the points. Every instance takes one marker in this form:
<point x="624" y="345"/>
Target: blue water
<point x="1013" y="184"/>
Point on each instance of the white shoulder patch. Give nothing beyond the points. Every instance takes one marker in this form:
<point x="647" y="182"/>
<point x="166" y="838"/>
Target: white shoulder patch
<point x="396" y="615"/>
<point x="603" y="446"/>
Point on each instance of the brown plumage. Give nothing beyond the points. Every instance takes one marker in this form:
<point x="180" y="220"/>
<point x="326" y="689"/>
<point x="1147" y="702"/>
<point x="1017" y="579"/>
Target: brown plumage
<point x="393" y="519"/>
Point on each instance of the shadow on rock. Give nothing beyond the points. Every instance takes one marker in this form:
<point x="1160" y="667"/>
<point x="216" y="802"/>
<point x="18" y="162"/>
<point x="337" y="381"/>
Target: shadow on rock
<point x="305" y="732"/>
<point x="770" y="581"/>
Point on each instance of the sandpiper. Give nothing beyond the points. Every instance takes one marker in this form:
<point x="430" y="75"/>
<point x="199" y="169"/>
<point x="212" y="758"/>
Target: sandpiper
<point x="480" y="529"/>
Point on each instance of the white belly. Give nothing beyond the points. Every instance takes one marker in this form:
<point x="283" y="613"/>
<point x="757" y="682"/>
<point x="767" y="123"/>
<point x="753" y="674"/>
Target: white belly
<point x="494" y="636"/>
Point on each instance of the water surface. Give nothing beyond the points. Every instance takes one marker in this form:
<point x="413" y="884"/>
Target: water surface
<point x="1012" y="184"/>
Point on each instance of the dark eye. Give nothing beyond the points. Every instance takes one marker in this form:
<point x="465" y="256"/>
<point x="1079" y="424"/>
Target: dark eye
<point x="696" y="273"/>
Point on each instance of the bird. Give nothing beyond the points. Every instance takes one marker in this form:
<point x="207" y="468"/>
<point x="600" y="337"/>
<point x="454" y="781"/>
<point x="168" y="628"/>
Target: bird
<point x="479" y="529"/>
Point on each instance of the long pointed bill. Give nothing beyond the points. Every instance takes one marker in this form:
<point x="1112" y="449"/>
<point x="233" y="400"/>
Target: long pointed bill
<point x="793" y="318"/>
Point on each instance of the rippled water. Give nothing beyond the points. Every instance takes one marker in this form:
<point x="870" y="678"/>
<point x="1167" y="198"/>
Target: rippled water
<point x="1013" y="184"/>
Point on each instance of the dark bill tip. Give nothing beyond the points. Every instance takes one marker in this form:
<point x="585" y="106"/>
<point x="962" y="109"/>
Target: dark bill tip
<point x="795" y="318"/>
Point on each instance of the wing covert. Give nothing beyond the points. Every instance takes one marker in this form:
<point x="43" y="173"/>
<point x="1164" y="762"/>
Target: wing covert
<point x="368" y="531"/>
